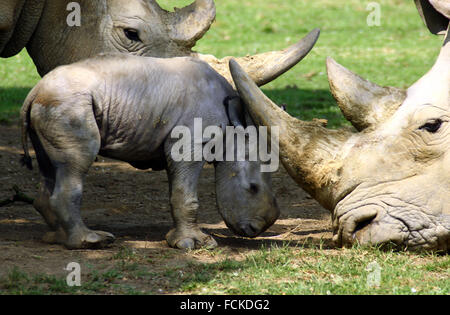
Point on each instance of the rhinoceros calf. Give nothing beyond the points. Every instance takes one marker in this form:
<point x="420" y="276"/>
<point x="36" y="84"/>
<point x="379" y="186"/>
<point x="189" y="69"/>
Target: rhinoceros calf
<point x="125" y="107"/>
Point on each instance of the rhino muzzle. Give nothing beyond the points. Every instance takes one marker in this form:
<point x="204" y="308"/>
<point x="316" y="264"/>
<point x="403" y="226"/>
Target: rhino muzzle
<point x="252" y="224"/>
<point x="390" y="221"/>
<point x="249" y="228"/>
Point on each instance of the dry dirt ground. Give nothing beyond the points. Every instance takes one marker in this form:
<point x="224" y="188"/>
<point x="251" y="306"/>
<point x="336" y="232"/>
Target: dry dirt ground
<point x="134" y="206"/>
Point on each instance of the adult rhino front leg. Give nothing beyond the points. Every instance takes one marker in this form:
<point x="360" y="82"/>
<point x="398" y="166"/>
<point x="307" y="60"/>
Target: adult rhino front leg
<point x="183" y="180"/>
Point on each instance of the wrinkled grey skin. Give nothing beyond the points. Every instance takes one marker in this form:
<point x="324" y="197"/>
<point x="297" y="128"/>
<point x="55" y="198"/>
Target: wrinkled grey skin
<point x="125" y="107"/>
<point x="105" y="27"/>
<point x="137" y="27"/>
<point x="390" y="182"/>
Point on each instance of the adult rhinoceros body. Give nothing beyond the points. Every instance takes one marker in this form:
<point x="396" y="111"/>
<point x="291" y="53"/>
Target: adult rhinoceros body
<point x="137" y="27"/>
<point x="125" y="107"/>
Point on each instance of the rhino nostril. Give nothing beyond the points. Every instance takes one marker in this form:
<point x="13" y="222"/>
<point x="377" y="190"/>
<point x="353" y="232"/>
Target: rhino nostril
<point x="362" y="225"/>
<point x="249" y="230"/>
<point x="254" y="188"/>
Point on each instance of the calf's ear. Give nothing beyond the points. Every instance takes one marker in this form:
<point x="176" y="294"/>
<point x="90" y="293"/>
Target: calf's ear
<point x="235" y="110"/>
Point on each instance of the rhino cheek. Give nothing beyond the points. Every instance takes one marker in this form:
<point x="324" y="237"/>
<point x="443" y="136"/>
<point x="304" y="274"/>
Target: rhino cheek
<point x="231" y="204"/>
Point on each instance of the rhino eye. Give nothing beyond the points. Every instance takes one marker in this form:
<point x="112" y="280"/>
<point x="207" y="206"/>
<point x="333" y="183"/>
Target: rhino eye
<point x="132" y="34"/>
<point x="432" y="126"/>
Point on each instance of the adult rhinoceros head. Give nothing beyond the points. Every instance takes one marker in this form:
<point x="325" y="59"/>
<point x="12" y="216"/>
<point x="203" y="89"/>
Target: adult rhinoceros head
<point x="139" y="27"/>
<point x="388" y="183"/>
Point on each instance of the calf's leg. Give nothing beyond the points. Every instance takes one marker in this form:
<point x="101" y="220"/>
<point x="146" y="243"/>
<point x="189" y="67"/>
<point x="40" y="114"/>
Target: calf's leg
<point x="183" y="180"/>
<point x="69" y="142"/>
<point x="47" y="185"/>
<point x="66" y="202"/>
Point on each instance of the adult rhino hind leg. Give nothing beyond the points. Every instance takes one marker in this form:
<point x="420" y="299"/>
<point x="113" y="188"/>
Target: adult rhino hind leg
<point x="183" y="180"/>
<point x="71" y="150"/>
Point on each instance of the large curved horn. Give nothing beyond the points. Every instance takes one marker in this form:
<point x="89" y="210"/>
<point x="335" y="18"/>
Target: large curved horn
<point x="363" y="103"/>
<point x="189" y="24"/>
<point x="263" y="111"/>
<point x="308" y="151"/>
<point x="265" y="67"/>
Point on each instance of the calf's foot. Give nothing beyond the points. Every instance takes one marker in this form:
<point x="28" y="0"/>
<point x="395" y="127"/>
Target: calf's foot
<point x="190" y="239"/>
<point x="84" y="239"/>
<point x="88" y="239"/>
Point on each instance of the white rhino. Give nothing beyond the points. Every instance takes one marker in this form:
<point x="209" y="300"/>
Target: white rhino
<point x="388" y="183"/>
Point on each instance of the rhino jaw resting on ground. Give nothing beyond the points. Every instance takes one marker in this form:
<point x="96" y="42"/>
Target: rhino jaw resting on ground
<point x="389" y="183"/>
<point x="138" y="27"/>
<point x="125" y="107"/>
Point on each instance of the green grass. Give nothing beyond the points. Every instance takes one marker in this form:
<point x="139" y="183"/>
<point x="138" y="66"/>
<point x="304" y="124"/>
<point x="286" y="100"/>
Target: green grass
<point x="396" y="53"/>
<point x="298" y="270"/>
<point x="277" y="270"/>
<point x="17" y="76"/>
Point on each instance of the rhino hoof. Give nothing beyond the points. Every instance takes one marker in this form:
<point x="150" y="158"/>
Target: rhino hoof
<point x="192" y="241"/>
<point x="90" y="240"/>
<point x="187" y="243"/>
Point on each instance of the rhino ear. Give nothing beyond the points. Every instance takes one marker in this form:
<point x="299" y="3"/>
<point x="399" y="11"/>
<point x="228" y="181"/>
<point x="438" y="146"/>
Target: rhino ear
<point x="363" y="103"/>
<point x="235" y="110"/>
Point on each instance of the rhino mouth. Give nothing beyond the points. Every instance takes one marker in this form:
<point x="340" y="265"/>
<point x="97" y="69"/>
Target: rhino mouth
<point x="387" y="221"/>
<point x="249" y="228"/>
